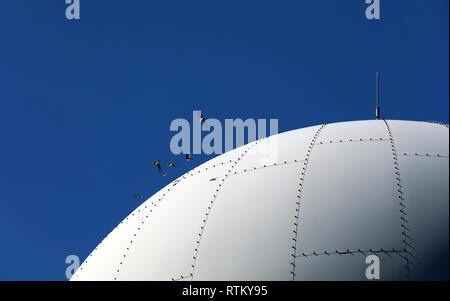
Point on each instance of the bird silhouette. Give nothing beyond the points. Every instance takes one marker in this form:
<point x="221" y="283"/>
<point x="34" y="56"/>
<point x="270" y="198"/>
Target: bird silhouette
<point x="157" y="163"/>
<point x="188" y="157"/>
<point x="170" y="164"/>
<point x="202" y="119"/>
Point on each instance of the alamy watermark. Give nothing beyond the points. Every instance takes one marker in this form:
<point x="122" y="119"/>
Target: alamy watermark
<point x="73" y="10"/>
<point x="373" y="270"/>
<point x="74" y="263"/>
<point x="219" y="139"/>
<point x="373" y="10"/>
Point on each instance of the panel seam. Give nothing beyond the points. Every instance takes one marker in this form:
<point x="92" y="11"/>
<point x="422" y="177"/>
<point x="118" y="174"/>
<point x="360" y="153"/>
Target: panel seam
<point x="212" y="202"/>
<point x="359" y="140"/>
<point x="354" y="252"/>
<point x="403" y="209"/>
<point x="254" y="168"/>
<point x="299" y="197"/>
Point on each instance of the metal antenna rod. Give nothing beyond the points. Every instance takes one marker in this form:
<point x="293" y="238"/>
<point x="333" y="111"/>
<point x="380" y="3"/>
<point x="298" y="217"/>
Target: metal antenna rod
<point x="378" y="97"/>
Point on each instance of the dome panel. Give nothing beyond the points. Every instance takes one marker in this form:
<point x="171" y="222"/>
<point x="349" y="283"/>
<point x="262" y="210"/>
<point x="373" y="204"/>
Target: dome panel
<point x="427" y="212"/>
<point x="349" y="199"/>
<point x="249" y="233"/>
<point x="419" y="137"/>
<point x="354" y="130"/>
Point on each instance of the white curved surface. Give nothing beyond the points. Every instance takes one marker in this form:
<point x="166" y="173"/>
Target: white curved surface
<point x="308" y="204"/>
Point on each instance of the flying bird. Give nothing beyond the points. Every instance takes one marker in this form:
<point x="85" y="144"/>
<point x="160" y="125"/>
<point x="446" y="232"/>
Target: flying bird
<point x="188" y="157"/>
<point x="202" y="119"/>
<point x="138" y="196"/>
<point x="157" y="163"/>
<point x="171" y="164"/>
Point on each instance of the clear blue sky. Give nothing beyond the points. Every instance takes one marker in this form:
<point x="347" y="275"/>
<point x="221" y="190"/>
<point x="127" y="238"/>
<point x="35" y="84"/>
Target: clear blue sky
<point x="84" y="105"/>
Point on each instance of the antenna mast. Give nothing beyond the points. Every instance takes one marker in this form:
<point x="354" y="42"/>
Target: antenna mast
<point x="378" y="97"/>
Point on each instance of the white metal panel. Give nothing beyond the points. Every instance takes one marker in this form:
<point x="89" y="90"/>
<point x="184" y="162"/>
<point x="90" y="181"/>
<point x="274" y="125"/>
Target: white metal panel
<point x="426" y="192"/>
<point x="355" y="130"/>
<point x="349" y="199"/>
<point x="248" y="235"/>
<point x="419" y="137"/>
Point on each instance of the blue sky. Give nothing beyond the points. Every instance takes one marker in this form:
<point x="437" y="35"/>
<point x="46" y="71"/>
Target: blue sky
<point x="85" y="104"/>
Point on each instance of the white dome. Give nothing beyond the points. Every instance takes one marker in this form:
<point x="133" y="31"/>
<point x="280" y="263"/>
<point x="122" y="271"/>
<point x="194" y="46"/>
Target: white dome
<point x="308" y="204"/>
